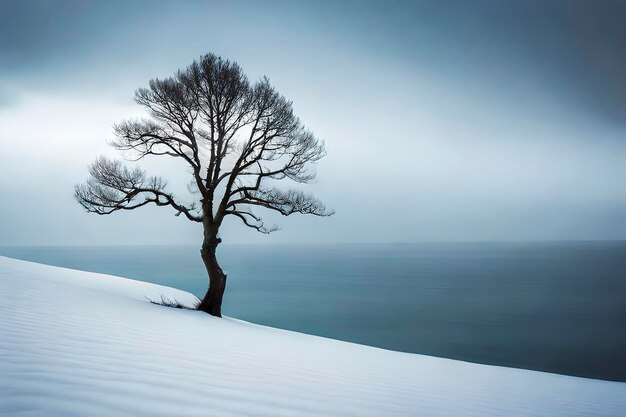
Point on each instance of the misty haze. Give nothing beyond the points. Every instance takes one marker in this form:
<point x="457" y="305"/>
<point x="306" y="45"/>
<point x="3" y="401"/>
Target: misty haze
<point x="439" y="183"/>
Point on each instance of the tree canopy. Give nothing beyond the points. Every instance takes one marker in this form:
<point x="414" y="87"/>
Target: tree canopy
<point x="236" y="136"/>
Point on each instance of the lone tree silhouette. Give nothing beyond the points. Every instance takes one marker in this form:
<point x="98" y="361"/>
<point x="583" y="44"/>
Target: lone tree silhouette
<point x="237" y="137"/>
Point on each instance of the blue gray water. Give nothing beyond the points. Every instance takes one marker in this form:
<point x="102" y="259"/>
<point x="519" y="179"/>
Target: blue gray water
<point x="557" y="307"/>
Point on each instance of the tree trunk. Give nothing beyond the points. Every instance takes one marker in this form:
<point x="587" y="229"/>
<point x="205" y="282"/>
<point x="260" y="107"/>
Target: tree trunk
<point x="212" y="301"/>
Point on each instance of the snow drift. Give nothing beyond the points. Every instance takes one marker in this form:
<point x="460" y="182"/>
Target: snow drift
<point x="74" y="343"/>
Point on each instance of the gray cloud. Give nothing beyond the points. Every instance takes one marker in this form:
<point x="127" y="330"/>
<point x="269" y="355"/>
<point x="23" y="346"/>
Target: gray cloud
<point x="451" y="120"/>
<point x="576" y="47"/>
<point x="8" y="97"/>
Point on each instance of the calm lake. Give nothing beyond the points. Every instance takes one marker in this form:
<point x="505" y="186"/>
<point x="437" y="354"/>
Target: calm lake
<point x="557" y="307"/>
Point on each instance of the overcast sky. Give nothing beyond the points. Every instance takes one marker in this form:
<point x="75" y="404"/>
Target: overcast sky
<point x="443" y="121"/>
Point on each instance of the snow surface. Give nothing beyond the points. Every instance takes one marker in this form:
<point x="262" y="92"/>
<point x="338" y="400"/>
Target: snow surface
<point x="74" y="343"/>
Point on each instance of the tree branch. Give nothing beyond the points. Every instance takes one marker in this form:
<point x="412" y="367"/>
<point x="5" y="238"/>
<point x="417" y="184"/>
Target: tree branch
<point x="112" y="187"/>
<point x="258" y="226"/>
<point x="283" y="202"/>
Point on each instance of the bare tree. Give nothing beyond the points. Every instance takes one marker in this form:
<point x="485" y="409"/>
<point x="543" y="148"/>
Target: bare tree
<point x="237" y="137"/>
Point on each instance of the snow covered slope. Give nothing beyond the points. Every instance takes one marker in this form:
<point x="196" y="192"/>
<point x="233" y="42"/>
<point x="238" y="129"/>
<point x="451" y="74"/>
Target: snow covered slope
<point x="74" y="343"/>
